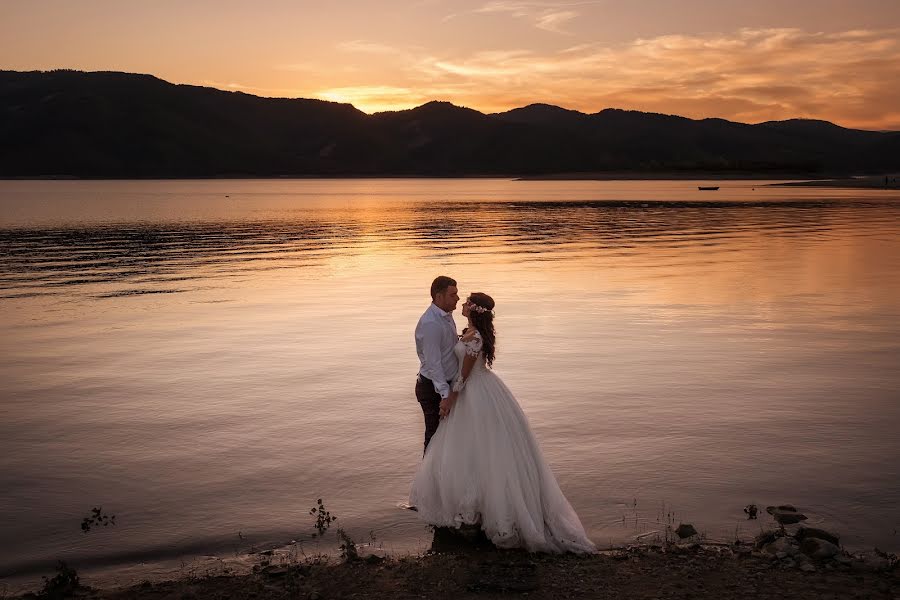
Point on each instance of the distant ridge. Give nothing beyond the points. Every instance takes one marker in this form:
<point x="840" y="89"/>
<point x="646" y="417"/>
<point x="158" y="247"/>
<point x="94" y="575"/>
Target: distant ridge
<point x="109" y="124"/>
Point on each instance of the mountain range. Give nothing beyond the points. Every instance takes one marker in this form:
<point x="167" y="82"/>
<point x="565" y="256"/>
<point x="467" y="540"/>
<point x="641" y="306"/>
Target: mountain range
<point x="109" y="124"/>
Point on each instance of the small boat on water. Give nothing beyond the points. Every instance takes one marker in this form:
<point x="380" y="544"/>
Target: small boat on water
<point x="711" y="188"/>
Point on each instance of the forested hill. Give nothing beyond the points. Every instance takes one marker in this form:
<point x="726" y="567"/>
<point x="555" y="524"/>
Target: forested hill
<point x="104" y="124"/>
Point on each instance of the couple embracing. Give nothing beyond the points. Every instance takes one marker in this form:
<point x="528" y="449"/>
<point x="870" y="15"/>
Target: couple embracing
<point x="482" y="464"/>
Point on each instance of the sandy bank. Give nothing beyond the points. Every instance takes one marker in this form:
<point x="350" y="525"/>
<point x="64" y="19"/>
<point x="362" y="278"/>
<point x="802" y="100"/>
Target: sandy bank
<point x="872" y="182"/>
<point x="672" y="176"/>
<point x="675" y="571"/>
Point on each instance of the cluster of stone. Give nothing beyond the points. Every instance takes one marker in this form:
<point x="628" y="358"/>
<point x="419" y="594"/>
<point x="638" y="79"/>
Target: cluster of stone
<point x="812" y="549"/>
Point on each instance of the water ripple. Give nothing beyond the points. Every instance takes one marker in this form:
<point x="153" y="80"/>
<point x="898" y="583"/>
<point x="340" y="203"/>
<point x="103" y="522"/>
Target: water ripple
<point x="44" y="260"/>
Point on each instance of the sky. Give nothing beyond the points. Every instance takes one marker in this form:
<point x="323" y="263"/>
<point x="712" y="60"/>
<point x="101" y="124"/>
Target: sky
<point x="747" y="61"/>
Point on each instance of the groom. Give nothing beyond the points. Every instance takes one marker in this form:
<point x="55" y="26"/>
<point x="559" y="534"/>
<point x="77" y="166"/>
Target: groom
<point x="435" y="339"/>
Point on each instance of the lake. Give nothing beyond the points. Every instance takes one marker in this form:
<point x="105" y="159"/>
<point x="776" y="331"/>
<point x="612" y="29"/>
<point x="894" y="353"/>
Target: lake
<point x="205" y="359"/>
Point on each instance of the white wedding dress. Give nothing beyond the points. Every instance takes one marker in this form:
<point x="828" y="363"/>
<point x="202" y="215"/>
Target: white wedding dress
<point x="484" y="466"/>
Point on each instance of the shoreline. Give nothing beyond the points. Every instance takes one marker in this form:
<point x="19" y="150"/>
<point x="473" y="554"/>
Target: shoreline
<point x="671" y="570"/>
<point x="870" y="182"/>
<point x="792" y="561"/>
<point x="587" y="176"/>
<point x="827" y="180"/>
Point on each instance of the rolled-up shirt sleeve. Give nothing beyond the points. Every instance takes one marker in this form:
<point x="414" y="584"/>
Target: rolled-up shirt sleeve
<point x="429" y="338"/>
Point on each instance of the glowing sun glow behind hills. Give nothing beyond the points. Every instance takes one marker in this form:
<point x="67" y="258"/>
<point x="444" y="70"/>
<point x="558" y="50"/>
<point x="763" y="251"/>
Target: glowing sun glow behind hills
<point x="824" y="60"/>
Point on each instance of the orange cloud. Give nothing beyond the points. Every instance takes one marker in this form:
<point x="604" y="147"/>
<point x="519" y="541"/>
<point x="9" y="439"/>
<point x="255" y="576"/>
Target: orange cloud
<point x="751" y="75"/>
<point x="544" y="15"/>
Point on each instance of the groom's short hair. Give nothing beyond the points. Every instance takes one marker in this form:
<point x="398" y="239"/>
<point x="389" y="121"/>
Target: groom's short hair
<point x="440" y="284"/>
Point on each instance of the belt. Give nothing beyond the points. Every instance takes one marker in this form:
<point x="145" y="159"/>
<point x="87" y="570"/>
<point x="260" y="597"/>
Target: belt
<point x="422" y="378"/>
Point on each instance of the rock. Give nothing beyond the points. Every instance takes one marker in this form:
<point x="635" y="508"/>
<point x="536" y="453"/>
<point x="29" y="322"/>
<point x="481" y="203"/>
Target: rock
<point x="789" y="518"/>
<point x="819" y="548"/>
<point x="808" y="567"/>
<point x="275" y="572"/>
<point x="788" y="564"/>
<point x="782" y="544"/>
<point x="764" y="538"/>
<point x="842" y="559"/>
<point x="811" y="532"/>
<point x="685" y="530"/>
<point x="785" y="514"/>
<point x="751" y="511"/>
<point x="870" y="562"/>
<point x="781" y="555"/>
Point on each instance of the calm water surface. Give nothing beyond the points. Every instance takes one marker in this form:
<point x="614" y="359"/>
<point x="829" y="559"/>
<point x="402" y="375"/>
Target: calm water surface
<point x="203" y="358"/>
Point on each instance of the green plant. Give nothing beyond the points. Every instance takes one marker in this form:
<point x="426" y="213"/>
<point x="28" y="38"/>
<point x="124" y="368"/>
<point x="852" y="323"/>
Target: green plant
<point x="323" y="518"/>
<point x="97" y="518"/>
<point x="62" y="585"/>
<point x="665" y="518"/>
<point x="348" y="546"/>
<point x="373" y="540"/>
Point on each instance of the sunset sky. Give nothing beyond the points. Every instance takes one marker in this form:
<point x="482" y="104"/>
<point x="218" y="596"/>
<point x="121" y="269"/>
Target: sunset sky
<point x="745" y="61"/>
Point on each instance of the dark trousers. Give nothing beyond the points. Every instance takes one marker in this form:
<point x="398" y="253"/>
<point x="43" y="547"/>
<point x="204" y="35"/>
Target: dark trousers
<point x="430" y="401"/>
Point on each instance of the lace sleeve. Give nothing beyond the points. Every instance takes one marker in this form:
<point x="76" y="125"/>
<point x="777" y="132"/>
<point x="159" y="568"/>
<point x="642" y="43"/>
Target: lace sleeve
<point x="473" y="345"/>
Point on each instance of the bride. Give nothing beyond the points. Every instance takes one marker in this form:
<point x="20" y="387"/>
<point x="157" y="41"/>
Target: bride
<point x="484" y="466"/>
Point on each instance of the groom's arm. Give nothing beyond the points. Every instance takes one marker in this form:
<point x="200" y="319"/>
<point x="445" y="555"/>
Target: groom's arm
<point x="430" y="342"/>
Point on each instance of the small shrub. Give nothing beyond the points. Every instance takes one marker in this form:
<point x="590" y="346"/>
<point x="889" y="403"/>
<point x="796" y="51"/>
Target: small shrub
<point x="348" y="546"/>
<point x="62" y="585"/>
<point x="323" y="518"/>
<point x="97" y="518"/>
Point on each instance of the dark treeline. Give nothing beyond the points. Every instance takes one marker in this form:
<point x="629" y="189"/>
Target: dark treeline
<point x="71" y="123"/>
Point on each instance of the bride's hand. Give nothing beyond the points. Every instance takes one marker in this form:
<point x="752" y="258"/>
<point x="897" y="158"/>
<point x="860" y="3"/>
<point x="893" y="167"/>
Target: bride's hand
<point x="446" y="405"/>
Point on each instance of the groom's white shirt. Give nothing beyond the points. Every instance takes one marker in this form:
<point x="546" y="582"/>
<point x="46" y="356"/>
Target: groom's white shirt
<point x="435" y="339"/>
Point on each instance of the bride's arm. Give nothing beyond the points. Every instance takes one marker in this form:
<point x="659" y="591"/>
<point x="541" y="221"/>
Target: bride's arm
<point x="472" y="341"/>
<point x="468" y="363"/>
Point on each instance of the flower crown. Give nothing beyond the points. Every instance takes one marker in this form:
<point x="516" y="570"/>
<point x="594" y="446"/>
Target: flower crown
<point x="477" y="308"/>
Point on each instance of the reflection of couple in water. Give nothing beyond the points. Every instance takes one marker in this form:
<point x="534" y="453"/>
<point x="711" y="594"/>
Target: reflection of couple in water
<point x="482" y="466"/>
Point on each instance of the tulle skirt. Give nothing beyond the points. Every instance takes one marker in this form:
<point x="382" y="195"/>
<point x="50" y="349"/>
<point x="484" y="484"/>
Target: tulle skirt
<point x="484" y="467"/>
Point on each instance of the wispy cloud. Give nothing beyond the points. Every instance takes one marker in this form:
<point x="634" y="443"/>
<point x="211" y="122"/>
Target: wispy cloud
<point x="298" y="67"/>
<point x="366" y="47"/>
<point x="549" y="16"/>
<point x="553" y="21"/>
<point x="749" y="75"/>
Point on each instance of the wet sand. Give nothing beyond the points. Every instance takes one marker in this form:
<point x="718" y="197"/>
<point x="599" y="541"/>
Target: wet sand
<point x="679" y="572"/>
